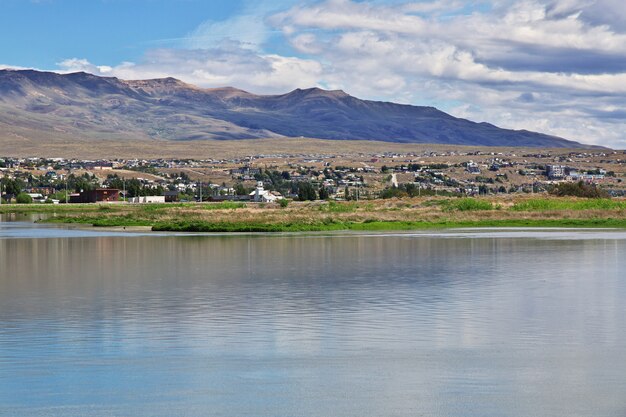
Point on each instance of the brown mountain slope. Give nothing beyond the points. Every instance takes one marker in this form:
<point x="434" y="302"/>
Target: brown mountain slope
<point x="83" y="106"/>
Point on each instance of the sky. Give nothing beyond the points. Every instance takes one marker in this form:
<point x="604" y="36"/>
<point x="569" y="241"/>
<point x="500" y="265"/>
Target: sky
<point x="552" y="66"/>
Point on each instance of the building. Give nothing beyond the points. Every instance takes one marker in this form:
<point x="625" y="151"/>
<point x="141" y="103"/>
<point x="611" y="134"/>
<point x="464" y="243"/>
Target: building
<point x="106" y="195"/>
<point x="555" y="172"/>
<point x="473" y="168"/>
<point x="148" y="199"/>
<point x="260" y="195"/>
<point x="171" y="196"/>
<point x="37" y="197"/>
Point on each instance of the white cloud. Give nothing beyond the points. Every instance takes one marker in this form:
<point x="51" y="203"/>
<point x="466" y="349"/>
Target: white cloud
<point x="556" y="66"/>
<point x="12" y="67"/>
<point x="228" y="65"/>
<point x="482" y="60"/>
<point x="77" y="65"/>
<point x="247" y="27"/>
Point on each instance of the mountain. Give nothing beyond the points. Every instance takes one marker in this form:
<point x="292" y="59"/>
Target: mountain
<point x="46" y="105"/>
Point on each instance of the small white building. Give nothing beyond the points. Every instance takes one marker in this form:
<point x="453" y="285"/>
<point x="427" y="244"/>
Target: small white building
<point x="147" y="199"/>
<point x="37" y="197"/>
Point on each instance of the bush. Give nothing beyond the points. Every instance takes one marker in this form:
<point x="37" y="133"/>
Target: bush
<point x="333" y="207"/>
<point x="283" y="202"/>
<point x="467" y="204"/>
<point x="23" y="198"/>
<point x="579" y="189"/>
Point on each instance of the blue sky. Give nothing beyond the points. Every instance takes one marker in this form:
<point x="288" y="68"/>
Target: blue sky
<point x="555" y="66"/>
<point x="42" y="33"/>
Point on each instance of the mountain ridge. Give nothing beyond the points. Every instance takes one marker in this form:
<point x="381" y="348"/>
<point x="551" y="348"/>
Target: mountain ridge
<point x="87" y="106"/>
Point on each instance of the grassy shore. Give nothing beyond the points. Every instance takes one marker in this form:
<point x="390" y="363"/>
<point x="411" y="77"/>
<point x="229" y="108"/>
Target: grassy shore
<point x="378" y="215"/>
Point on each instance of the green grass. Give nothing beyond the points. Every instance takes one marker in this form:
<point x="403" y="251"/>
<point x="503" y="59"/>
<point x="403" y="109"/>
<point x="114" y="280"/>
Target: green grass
<point x="542" y="204"/>
<point x="384" y="225"/>
<point x="334" y="207"/>
<point x="330" y="224"/>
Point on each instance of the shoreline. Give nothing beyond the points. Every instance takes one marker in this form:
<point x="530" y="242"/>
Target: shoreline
<point x="369" y="215"/>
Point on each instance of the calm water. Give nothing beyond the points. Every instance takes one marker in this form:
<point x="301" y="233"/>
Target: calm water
<point x="462" y="323"/>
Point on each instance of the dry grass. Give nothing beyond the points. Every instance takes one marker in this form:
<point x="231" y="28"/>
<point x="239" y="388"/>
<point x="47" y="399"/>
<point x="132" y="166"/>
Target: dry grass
<point x="61" y="146"/>
<point x="418" y="210"/>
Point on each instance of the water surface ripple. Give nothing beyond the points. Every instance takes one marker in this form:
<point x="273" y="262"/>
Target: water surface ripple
<point x="457" y="323"/>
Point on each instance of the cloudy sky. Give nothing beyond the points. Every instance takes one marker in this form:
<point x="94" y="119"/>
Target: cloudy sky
<point x="554" y="66"/>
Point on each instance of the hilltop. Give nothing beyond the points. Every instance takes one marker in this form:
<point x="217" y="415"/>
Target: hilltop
<point x="40" y="107"/>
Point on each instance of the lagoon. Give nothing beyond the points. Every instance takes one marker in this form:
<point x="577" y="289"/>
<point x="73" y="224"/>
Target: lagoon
<point x="489" y="322"/>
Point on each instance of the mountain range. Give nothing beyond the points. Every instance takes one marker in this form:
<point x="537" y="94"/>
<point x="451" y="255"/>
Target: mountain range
<point x="46" y="105"/>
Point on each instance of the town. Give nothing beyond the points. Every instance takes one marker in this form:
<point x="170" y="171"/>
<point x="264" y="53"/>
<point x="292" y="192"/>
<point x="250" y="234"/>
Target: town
<point x="268" y="178"/>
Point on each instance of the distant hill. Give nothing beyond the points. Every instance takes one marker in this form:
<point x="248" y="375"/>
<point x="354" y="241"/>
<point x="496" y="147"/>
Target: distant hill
<point x="46" y="105"/>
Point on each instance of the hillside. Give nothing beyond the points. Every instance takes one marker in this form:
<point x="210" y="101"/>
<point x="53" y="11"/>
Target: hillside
<point x="41" y="106"/>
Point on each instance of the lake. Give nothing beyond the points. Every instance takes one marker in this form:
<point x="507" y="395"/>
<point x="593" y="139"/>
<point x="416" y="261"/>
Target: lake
<point x="452" y="323"/>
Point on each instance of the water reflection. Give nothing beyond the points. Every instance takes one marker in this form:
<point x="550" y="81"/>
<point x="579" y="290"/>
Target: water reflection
<point x="312" y="325"/>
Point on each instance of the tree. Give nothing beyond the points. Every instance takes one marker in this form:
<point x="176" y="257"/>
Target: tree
<point x="82" y="183"/>
<point x="323" y="193"/>
<point x="306" y="191"/>
<point x="240" y="189"/>
<point x="23" y="198"/>
<point x="59" y="195"/>
<point x="133" y="188"/>
<point x="392" y="192"/>
<point x="12" y="187"/>
<point x="114" y="181"/>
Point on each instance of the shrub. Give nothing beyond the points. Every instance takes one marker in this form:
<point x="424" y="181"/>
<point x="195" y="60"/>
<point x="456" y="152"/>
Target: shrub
<point x="334" y="207"/>
<point x="23" y="198"/>
<point x="283" y="202"/>
<point x="467" y="204"/>
<point x="579" y="189"/>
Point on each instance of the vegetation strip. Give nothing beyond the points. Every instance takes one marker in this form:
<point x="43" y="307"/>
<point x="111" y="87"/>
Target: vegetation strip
<point x="385" y="226"/>
<point x="372" y="215"/>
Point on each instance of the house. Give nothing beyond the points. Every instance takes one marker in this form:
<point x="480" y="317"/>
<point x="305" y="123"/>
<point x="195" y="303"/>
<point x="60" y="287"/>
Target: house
<point x="37" y="197"/>
<point x="171" y="196"/>
<point x="97" y="195"/>
<point x="472" y="167"/>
